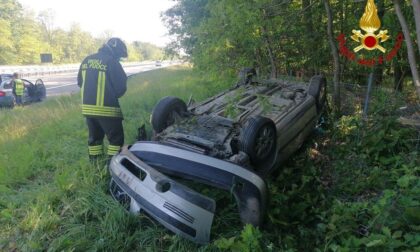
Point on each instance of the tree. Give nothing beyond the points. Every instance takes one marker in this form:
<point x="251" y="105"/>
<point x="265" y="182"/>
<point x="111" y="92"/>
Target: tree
<point x="28" y="47"/>
<point x="6" y="43"/>
<point x="10" y="10"/>
<point x="78" y="44"/>
<point x="144" y="51"/>
<point x="10" y="13"/>
<point x="416" y="11"/>
<point x="182" y="19"/>
<point x="133" y="53"/>
<point x="336" y="60"/>
<point x="46" y="20"/>
<point x="24" y="35"/>
<point x="57" y="46"/>
<point x="410" y="49"/>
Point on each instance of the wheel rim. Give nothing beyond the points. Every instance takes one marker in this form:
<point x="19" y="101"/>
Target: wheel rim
<point x="264" y="142"/>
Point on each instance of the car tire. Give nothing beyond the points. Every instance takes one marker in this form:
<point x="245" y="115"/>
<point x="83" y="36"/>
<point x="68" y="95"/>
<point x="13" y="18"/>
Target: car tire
<point x="166" y="111"/>
<point x="258" y="139"/>
<point x="318" y="89"/>
<point x="12" y="104"/>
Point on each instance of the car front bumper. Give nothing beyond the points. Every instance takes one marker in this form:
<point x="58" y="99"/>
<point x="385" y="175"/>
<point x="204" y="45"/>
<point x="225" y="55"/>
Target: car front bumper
<point x="249" y="189"/>
<point x="180" y="209"/>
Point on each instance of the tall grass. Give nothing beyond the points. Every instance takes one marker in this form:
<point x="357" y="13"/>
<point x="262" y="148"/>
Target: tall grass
<point x="52" y="198"/>
<point x="355" y="188"/>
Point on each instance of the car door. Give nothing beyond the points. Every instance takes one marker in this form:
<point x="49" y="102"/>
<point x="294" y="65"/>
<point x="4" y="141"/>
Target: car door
<point x="27" y="91"/>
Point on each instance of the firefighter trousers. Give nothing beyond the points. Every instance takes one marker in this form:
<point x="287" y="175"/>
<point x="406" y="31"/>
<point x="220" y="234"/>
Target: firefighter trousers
<point x="98" y="128"/>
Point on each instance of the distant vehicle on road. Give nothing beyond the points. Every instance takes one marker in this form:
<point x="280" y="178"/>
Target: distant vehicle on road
<point x="32" y="92"/>
<point x="158" y="63"/>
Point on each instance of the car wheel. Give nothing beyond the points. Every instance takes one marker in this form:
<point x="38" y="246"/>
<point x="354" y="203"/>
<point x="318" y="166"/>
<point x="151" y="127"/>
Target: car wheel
<point x="318" y="89"/>
<point x="8" y="106"/>
<point x="258" y="139"/>
<point x="166" y="112"/>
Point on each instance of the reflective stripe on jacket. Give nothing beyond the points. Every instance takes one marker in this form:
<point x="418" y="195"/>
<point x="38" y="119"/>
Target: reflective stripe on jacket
<point x="19" y="87"/>
<point x="102" y="81"/>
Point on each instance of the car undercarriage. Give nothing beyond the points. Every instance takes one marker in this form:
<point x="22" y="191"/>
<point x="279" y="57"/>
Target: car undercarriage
<point x="231" y="141"/>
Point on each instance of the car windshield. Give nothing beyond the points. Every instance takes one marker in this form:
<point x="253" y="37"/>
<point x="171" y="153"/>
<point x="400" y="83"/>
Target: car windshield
<point x="6" y="84"/>
<point x="4" y="77"/>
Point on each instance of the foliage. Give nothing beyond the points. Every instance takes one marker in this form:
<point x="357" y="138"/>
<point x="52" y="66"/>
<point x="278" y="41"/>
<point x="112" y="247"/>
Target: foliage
<point x="51" y="197"/>
<point x="376" y="212"/>
<point x="148" y="51"/>
<point x="280" y="37"/>
<point x="6" y="45"/>
<point x="264" y="102"/>
<point x="231" y="111"/>
<point x="181" y="20"/>
<point x="353" y="188"/>
<point x="23" y="37"/>
<point x="249" y="241"/>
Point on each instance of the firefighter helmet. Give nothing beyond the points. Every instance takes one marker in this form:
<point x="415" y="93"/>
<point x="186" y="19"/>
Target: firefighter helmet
<point x="118" y="47"/>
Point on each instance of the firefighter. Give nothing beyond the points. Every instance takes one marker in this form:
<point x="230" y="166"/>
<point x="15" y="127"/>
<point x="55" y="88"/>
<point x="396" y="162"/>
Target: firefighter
<point x="102" y="81"/>
<point x="18" y="88"/>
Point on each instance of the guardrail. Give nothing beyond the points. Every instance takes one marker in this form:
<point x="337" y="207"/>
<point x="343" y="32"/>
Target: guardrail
<point x="37" y="70"/>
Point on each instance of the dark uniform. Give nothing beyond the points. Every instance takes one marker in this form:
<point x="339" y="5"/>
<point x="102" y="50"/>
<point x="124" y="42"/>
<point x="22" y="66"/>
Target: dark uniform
<point x="102" y="81"/>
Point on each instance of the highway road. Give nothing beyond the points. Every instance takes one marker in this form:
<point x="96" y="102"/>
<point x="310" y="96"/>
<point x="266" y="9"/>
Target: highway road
<point x="66" y="83"/>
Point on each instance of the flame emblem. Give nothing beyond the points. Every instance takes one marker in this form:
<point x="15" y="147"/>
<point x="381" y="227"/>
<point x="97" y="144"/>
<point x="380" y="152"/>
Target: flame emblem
<point x="370" y="23"/>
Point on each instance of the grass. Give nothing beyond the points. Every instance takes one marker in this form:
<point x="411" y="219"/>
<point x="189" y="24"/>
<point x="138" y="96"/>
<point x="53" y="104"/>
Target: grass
<point x="354" y="187"/>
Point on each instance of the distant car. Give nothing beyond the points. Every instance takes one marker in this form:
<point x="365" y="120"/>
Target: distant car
<point x="32" y="92"/>
<point x="158" y="63"/>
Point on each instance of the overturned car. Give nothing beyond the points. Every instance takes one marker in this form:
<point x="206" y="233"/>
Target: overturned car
<point x="231" y="141"/>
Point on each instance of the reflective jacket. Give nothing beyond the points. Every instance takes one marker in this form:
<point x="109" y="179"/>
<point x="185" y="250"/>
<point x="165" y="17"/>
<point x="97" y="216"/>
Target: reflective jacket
<point x="102" y="81"/>
<point x="18" y="87"/>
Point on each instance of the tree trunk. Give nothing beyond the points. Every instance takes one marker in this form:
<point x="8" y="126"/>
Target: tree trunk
<point x="379" y="68"/>
<point x="309" y="36"/>
<point x="334" y="52"/>
<point x="398" y="77"/>
<point x="378" y="71"/>
<point x="409" y="43"/>
<point x="343" y="24"/>
<point x="416" y="11"/>
<point x="270" y="52"/>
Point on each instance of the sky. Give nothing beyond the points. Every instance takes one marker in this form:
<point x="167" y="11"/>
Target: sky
<point x="131" y="20"/>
